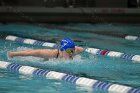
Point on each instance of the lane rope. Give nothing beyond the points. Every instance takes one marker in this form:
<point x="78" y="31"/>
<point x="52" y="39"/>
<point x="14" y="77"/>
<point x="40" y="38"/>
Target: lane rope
<point x="82" y="81"/>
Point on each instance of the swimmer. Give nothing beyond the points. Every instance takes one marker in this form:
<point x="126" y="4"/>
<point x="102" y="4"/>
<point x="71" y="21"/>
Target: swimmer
<point x="67" y="50"/>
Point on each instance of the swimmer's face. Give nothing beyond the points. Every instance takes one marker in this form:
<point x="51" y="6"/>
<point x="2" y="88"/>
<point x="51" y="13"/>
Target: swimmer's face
<point x="70" y="51"/>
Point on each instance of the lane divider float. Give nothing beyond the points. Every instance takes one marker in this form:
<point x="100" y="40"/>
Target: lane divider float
<point x="95" y="84"/>
<point x="129" y="37"/>
<point x="94" y="51"/>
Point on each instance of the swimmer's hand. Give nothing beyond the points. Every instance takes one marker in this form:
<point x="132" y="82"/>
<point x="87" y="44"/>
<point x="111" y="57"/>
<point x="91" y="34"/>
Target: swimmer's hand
<point x="10" y="54"/>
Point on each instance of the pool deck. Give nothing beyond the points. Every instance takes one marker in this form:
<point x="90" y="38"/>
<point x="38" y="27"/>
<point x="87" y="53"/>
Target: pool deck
<point x="64" y="15"/>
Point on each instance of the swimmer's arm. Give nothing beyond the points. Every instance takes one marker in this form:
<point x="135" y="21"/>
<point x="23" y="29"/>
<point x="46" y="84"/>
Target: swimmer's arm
<point x="36" y="53"/>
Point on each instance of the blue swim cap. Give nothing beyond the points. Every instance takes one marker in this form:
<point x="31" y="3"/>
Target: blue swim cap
<point x="66" y="43"/>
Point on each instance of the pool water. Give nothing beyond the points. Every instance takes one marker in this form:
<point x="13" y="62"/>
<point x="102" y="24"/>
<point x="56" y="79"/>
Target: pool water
<point x="113" y="70"/>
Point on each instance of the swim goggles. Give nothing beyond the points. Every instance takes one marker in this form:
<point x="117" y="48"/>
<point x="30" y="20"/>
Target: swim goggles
<point x="70" y="50"/>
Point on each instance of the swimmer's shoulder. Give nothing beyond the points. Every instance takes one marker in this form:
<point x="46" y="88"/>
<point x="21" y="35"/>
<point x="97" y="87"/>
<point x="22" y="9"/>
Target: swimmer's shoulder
<point x="50" y="52"/>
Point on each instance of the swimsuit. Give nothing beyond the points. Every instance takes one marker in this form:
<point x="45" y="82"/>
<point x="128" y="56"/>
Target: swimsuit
<point x="57" y="54"/>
